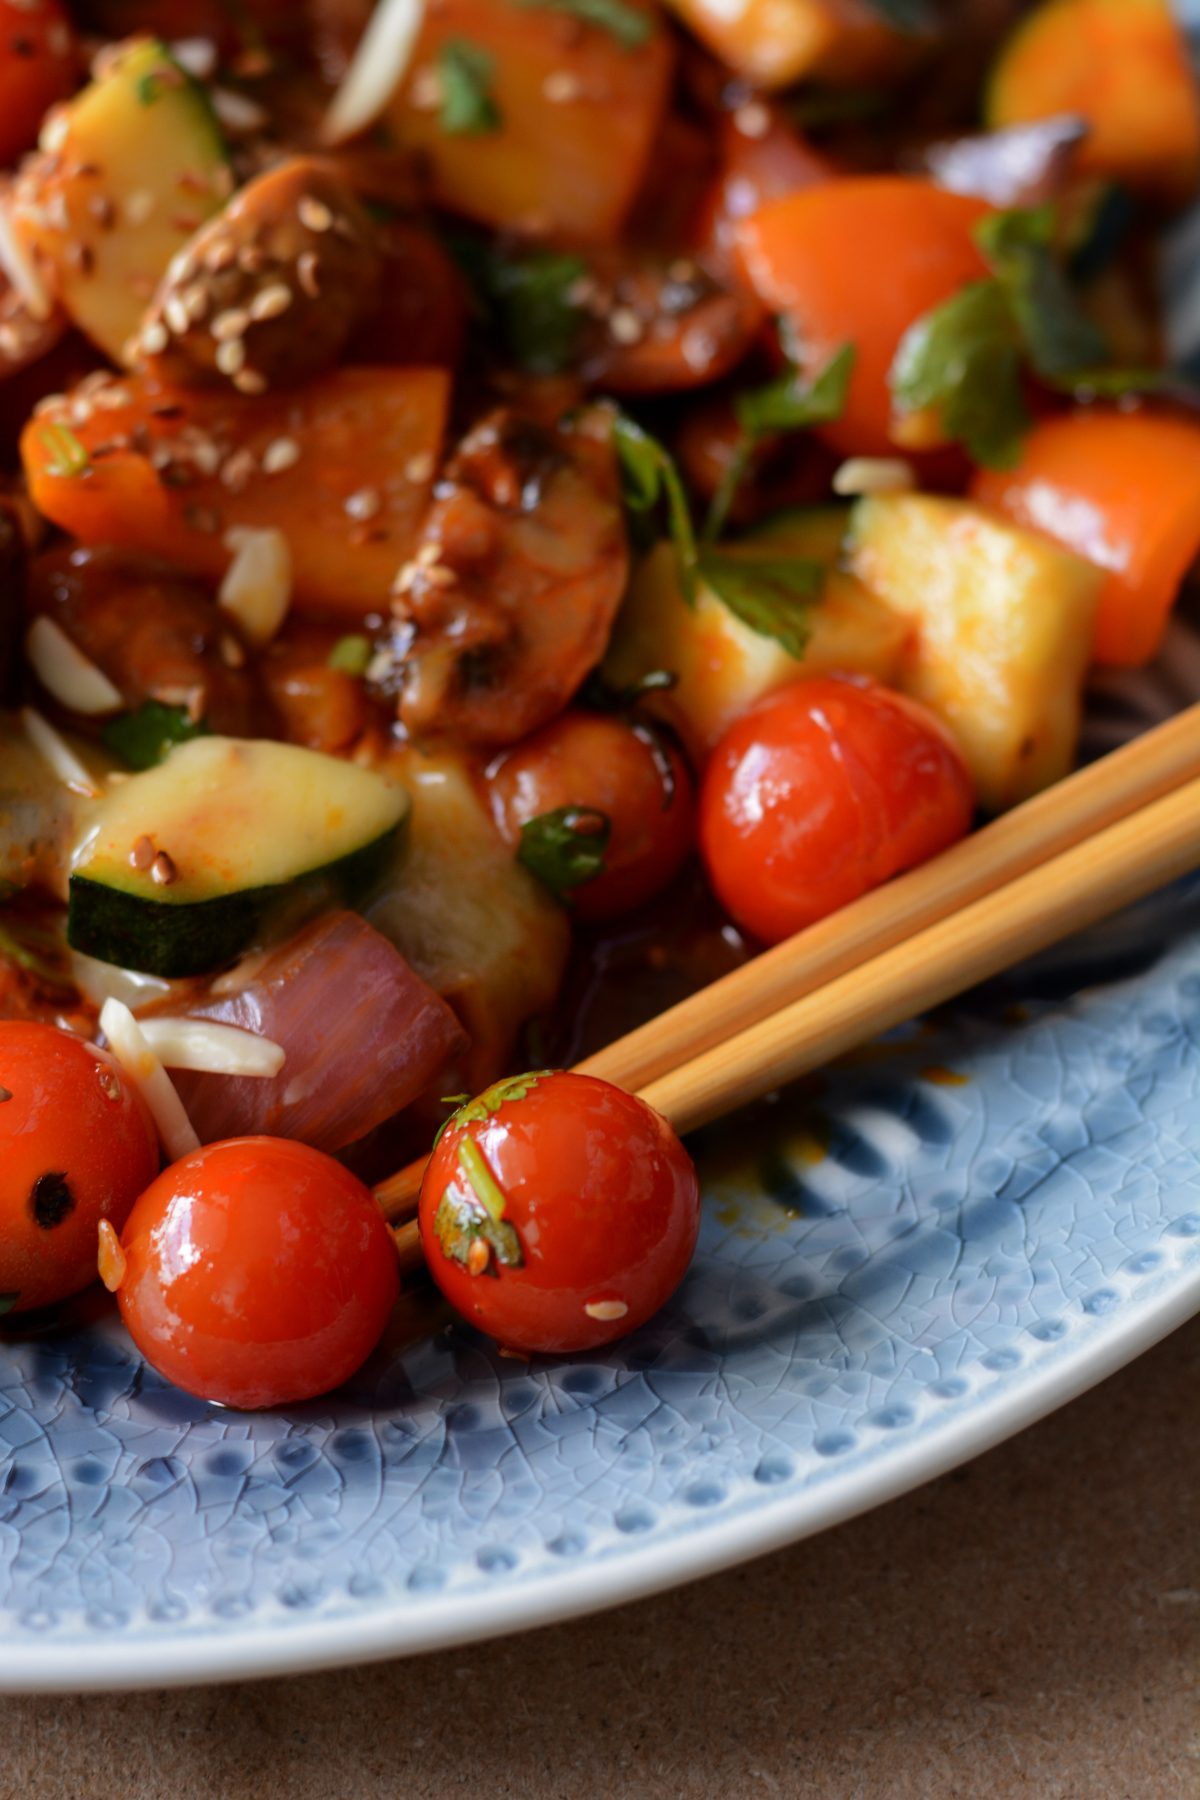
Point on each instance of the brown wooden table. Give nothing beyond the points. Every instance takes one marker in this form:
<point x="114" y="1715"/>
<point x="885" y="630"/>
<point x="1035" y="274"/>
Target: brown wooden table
<point x="1029" y="1625"/>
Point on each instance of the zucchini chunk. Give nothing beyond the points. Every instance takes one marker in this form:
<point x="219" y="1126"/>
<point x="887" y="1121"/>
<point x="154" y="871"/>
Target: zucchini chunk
<point x="1002" y="632"/>
<point x="137" y="164"/>
<point x="720" y="664"/>
<point x="182" y="863"/>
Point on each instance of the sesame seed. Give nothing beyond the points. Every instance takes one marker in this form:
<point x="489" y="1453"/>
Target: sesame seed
<point x="440" y="576"/>
<point x="54" y="132"/>
<point x="624" y="326"/>
<point x="306" y="274"/>
<point x="249" y="381"/>
<point x="478" y="1256"/>
<point x="752" y="120"/>
<point x="138" y="206"/>
<point x="420" y="467"/>
<point x="111" y="399"/>
<point x="230" y="324"/>
<point x="280" y="454"/>
<point x="10" y="342"/>
<point x="142" y="854"/>
<point x="251" y="259"/>
<point x="231" y="356"/>
<point x="270" y="302"/>
<point x="176" y="315"/>
<point x="195" y="301"/>
<point x="232" y="654"/>
<point x="313" y="214"/>
<point x="162" y="870"/>
<point x="218" y="256"/>
<point x="561" y="87"/>
<point x="181" y="268"/>
<point x="404" y="577"/>
<point x="427" y="555"/>
<point x="238" y="469"/>
<point x="606" y="1309"/>
<point x="155" y="338"/>
<point x="364" y="504"/>
<point x="425" y="92"/>
<point x="102" y="210"/>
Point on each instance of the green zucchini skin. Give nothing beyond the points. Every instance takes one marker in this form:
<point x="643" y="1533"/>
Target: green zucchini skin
<point x="173" y="941"/>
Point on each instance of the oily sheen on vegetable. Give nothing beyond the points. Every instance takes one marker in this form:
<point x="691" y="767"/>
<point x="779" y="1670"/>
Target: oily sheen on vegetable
<point x="506" y="507"/>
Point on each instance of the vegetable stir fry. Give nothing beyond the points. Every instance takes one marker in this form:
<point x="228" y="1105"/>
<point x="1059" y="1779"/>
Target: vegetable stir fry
<point x="509" y="506"/>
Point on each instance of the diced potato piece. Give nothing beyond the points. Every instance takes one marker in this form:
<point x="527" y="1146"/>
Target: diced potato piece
<point x="476" y="925"/>
<point x="578" y="107"/>
<point x="776" y="42"/>
<point x="721" y="665"/>
<point x="135" y="164"/>
<point x="1003" y="632"/>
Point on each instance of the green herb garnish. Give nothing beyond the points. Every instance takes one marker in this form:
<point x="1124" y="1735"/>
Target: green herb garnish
<point x="142" y="739"/>
<point x="965" y="358"/>
<point x="464" y="74"/>
<point x="1019" y="247"/>
<point x="789" y="403"/>
<point x="527" y="301"/>
<point x="909" y="16"/>
<point x="479" y="1212"/>
<point x="764" y="592"/>
<point x="770" y="594"/>
<point x="68" y="457"/>
<point x="351" y="655"/>
<point x="627" y="24"/>
<point x="649" y="478"/>
<point x="565" y="848"/>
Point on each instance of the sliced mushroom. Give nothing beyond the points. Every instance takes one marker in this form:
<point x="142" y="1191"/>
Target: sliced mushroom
<point x="267" y="293"/>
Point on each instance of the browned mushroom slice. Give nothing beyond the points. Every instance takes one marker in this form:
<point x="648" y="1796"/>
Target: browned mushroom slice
<point x="510" y="598"/>
<point x="267" y="294"/>
<point x="156" y="635"/>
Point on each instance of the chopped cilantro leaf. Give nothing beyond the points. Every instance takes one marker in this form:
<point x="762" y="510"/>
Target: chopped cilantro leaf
<point x="1019" y="248"/>
<point x="771" y="594"/>
<point x="908" y="16"/>
<point x="628" y="24"/>
<point x="464" y="73"/>
<point x="527" y="299"/>
<point x="964" y="360"/>
<point x="649" y="476"/>
<point x="142" y="738"/>
<point x="66" y="456"/>
<point x="565" y="848"/>
<point x="351" y="654"/>
<point x="789" y="403"/>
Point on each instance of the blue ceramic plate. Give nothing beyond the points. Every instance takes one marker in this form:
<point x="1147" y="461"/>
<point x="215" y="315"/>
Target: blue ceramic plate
<point x="947" y="1238"/>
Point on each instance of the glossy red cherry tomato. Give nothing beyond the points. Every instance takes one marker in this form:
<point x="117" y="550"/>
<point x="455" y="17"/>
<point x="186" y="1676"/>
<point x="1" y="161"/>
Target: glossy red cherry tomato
<point x="76" y="1146"/>
<point x="558" y="1212"/>
<point x="257" y="1272"/>
<point x="821" y="791"/>
<point x="39" y="64"/>
<point x="604" y="770"/>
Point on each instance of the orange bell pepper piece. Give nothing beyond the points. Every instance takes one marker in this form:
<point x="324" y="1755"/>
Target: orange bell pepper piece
<point x="578" y="113"/>
<point x="859" y="260"/>
<point x="343" y="467"/>
<point x="1123" y="490"/>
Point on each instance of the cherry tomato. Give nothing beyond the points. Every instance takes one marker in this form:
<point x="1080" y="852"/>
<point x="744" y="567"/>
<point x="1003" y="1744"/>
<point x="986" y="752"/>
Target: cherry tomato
<point x="558" y="1212"/>
<point x="39" y="65"/>
<point x="76" y="1146"/>
<point x="821" y="791"/>
<point x="257" y="1272"/>
<point x="606" y="771"/>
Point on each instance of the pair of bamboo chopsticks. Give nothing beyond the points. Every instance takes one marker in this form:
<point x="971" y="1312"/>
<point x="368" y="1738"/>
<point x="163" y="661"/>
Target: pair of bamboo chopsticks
<point x="1106" y="836"/>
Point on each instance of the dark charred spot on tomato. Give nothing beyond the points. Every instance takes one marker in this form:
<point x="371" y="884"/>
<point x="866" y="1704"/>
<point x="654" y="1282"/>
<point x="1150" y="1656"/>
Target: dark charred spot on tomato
<point x="5" y="1094"/>
<point x="51" y="1200"/>
<point x="22" y="46"/>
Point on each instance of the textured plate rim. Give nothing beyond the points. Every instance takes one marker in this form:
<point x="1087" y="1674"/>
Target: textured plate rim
<point x="407" y="1629"/>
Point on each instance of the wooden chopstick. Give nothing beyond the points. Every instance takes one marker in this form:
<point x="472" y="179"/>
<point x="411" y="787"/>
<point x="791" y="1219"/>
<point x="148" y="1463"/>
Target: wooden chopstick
<point x="1121" y="864"/>
<point x="1086" y="803"/>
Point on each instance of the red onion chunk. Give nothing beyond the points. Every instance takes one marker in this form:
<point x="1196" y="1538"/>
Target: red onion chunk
<point x="1020" y="165"/>
<point x="363" y="1036"/>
